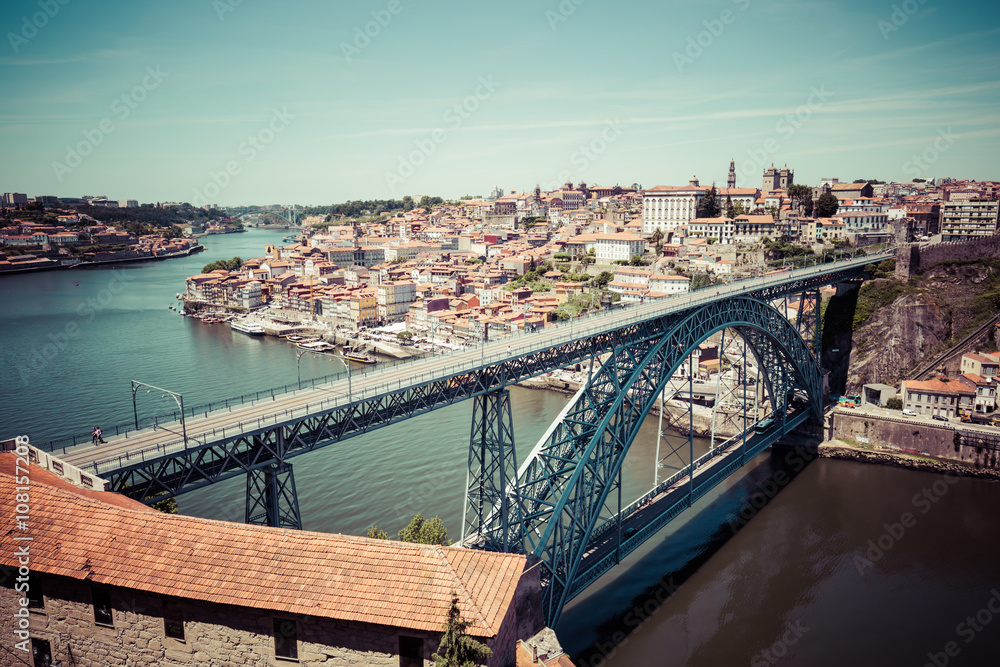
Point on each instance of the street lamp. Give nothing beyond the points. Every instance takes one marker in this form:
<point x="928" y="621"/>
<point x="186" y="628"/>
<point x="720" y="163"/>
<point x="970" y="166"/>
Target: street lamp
<point x="178" y="399"/>
<point x="348" y="366"/>
<point x="298" y="367"/>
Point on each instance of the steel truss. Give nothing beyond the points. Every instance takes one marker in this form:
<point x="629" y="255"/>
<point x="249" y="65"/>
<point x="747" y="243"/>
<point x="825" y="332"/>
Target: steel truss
<point x="227" y="457"/>
<point x="492" y="473"/>
<point x="566" y="481"/>
<point x="271" y="497"/>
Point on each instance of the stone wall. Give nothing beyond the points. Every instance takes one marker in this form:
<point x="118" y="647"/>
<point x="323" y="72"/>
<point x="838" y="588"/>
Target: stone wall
<point x="913" y="436"/>
<point x="214" y="634"/>
<point x="524" y="618"/>
<point x="911" y="258"/>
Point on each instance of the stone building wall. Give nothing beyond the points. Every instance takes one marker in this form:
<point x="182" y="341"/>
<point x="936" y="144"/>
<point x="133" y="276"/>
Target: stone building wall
<point x="911" y="258"/>
<point x="524" y="619"/>
<point x="215" y="634"/>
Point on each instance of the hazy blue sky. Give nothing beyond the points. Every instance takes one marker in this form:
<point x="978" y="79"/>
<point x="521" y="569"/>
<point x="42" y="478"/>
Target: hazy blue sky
<point x="154" y="100"/>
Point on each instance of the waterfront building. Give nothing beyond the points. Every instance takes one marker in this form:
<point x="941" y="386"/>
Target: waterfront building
<point x="115" y="583"/>
<point x="393" y="300"/>
<point x="937" y="397"/>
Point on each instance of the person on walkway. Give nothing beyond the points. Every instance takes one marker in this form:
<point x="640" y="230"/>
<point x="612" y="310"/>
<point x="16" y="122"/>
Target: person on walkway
<point x="98" y="435"/>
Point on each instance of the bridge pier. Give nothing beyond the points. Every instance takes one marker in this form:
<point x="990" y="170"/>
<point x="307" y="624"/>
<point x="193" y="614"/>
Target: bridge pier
<point x="491" y="480"/>
<point x="271" y="497"/>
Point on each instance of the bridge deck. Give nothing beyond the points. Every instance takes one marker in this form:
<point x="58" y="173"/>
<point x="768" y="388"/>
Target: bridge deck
<point x="207" y="428"/>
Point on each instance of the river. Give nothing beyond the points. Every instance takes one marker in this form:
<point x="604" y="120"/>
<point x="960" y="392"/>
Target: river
<point x="756" y="573"/>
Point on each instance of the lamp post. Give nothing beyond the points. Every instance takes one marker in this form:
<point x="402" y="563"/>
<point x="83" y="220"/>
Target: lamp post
<point x="348" y="366"/>
<point x="298" y="367"/>
<point x="178" y="399"/>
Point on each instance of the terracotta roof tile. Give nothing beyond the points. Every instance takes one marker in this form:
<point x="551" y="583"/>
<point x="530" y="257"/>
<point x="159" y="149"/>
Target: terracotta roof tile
<point x="109" y="539"/>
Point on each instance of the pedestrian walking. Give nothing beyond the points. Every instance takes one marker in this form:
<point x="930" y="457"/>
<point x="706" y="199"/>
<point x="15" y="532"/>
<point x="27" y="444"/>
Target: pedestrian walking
<point x="98" y="435"/>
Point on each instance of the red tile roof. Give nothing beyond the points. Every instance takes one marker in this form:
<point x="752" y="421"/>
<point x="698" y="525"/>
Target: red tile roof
<point x="105" y="538"/>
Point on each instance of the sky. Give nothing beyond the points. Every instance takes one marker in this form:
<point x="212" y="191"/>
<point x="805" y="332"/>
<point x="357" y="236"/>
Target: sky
<point x="234" y="102"/>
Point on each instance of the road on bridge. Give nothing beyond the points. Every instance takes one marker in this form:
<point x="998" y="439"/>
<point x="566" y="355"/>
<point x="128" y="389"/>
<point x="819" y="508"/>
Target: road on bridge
<point x="206" y="428"/>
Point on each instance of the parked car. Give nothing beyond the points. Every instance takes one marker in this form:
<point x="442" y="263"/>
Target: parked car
<point x="907" y="411"/>
<point x="940" y="418"/>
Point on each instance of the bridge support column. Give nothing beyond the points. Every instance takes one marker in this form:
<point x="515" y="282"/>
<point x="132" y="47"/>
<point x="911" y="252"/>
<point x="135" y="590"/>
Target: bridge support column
<point x="491" y="498"/>
<point x="271" y="497"/>
<point x="808" y="323"/>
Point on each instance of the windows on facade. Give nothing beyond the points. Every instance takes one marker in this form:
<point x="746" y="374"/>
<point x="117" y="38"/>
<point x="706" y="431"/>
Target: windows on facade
<point x="411" y="651"/>
<point x="173" y="620"/>
<point x="103" y="614"/>
<point x="41" y="652"/>
<point x="286" y="639"/>
<point x="36" y="597"/>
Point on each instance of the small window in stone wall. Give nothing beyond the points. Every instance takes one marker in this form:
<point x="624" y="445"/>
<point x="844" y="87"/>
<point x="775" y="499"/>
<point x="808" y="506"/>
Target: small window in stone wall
<point x="36" y="597"/>
<point x="103" y="614"/>
<point x="286" y="638"/>
<point x="41" y="652"/>
<point x="411" y="651"/>
<point x="173" y="620"/>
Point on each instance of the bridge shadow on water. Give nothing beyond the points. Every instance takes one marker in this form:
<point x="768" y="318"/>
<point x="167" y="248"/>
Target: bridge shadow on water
<point x="600" y="619"/>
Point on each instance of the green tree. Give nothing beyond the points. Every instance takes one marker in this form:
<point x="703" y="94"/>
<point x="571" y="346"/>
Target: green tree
<point x="377" y="533"/>
<point x="637" y="261"/>
<point x="700" y="280"/>
<point x="739" y="209"/>
<point x="894" y="403"/>
<point x="167" y="505"/>
<point x="421" y="531"/>
<point x="709" y="205"/>
<point x="227" y="264"/>
<point x="604" y="278"/>
<point x="730" y="208"/>
<point x="804" y="194"/>
<point x="657" y="236"/>
<point x="826" y="205"/>
<point x="405" y="336"/>
<point x="457" y="649"/>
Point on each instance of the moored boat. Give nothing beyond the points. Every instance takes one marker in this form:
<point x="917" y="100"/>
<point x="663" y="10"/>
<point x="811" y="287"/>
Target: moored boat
<point x="358" y="356"/>
<point x="249" y="328"/>
<point x="316" y="346"/>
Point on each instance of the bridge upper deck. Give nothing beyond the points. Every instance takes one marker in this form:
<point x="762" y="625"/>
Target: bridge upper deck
<point x="205" y="429"/>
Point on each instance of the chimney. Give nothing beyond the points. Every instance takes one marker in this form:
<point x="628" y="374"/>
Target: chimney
<point x="534" y="654"/>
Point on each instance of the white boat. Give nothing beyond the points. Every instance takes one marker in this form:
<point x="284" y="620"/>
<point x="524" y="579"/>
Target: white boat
<point x="249" y="328"/>
<point x="316" y="346"/>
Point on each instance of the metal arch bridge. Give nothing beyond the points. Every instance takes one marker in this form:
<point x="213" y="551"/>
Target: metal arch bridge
<point x="554" y="509"/>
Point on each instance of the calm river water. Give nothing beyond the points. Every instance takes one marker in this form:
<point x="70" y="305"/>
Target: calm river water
<point x="845" y="564"/>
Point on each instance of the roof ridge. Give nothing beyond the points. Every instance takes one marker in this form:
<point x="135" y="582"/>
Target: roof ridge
<point x="465" y="591"/>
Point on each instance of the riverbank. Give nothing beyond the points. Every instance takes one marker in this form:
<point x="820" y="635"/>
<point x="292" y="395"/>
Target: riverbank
<point x="847" y="451"/>
<point x="53" y="265"/>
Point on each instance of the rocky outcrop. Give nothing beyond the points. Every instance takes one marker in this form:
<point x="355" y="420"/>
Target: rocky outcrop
<point x="926" y="316"/>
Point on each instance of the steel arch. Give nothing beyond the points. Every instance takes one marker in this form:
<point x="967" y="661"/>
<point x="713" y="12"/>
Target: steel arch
<point x="565" y="483"/>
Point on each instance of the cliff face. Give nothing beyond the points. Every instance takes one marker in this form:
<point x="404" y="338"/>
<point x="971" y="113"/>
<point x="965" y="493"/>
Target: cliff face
<point x="921" y="319"/>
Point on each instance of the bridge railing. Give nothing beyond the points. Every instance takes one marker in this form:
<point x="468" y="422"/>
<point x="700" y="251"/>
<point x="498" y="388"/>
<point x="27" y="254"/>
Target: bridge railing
<point x="600" y="322"/>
